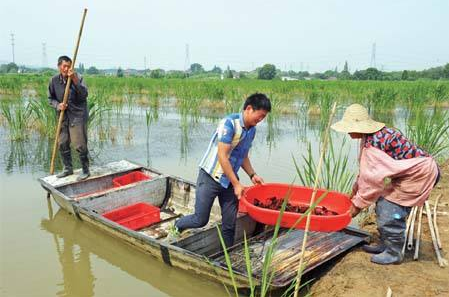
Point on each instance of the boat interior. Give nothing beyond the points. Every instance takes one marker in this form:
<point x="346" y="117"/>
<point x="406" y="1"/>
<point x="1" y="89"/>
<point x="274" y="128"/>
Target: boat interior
<point x="176" y="197"/>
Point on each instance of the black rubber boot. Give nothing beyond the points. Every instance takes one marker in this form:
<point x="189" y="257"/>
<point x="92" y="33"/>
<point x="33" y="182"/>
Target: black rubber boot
<point x="65" y="172"/>
<point x="391" y="225"/>
<point x="67" y="161"/>
<point x="83" y="175"/>
<point x="392" y="253"/>
<point x="85" y="164"/>
<point x="374" y="249"/>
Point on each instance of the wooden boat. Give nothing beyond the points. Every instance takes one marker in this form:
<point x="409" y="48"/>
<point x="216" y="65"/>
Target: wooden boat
<point x="197" y="250"/>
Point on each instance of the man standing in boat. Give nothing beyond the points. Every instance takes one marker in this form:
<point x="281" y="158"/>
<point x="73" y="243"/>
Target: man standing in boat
<point x="74" y="124"/>
<point x="227" y="152"/>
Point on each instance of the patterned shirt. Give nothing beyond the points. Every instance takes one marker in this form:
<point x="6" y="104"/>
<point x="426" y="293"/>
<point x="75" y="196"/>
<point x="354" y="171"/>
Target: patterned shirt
<point x="394" y="143"/>
<point x="231" y="130"/>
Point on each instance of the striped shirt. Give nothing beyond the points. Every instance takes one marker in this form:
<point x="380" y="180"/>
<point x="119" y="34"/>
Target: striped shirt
<point x="231" y="130"/>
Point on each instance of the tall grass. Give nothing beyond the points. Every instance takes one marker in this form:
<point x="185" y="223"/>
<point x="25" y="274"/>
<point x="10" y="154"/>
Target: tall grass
<point x="336" y="174"/>
<point x="430" y="131"/>
<point x="374" y="94"/>
<point x="44" y="117"/>
<point x="18" y="119"/>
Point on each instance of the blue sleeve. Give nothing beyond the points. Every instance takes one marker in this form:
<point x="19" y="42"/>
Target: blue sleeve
<point x="225" y="131"/>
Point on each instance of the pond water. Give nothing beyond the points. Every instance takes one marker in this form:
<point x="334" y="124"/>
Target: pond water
<point x="47" y="253"/>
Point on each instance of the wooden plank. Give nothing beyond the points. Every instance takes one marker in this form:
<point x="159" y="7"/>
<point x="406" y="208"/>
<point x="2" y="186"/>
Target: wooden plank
<point x="321" y="247"/>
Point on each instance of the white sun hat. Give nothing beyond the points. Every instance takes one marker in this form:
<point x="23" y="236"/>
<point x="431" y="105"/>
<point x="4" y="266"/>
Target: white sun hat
<point x="357" y="120"/>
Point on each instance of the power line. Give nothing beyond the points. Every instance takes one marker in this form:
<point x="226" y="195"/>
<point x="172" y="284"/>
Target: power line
<point x="12" y="46"/>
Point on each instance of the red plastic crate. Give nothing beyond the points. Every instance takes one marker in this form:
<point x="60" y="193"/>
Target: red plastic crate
<point x="129" y="178"/>
<point x="135" y="216"/>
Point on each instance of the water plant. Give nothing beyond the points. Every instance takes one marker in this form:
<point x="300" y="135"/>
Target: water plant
<point x="336" y="174"/>
<point x="17" y="116"/>
<point x="430" y="130"/>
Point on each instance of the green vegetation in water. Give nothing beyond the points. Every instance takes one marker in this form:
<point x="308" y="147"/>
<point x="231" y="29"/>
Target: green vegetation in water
<point x="336" y="174"/>
<point x="430" y="131"/>
<point x="17" y="116"/>
<point x="374" y="94"/>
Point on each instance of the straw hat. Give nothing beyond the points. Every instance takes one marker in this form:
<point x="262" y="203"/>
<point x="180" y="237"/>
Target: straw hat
<point x="356" y="120"/>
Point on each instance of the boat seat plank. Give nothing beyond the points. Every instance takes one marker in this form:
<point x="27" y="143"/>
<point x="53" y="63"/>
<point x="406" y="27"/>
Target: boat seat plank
<point x="321" y="247"/>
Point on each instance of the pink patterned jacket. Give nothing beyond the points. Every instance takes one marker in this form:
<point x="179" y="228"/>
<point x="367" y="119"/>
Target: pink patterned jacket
<point x="412" y="178"/>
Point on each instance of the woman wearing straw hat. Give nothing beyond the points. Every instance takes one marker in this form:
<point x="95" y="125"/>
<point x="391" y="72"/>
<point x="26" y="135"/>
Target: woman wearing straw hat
<point x="385" y="153"/>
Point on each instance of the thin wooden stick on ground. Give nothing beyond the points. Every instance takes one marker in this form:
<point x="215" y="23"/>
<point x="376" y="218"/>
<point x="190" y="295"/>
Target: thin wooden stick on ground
<point x="407" y="229"/>
<point x="312" y="200"/>
<point x="389" y="292"/>
<point x="418" y="235"/>
<point x="441" y="261"/>
<point x="435" y="225"/>
<point x="412" y="228"/>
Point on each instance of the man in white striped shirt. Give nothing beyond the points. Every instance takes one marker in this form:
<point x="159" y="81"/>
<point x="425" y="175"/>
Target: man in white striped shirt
<point x="227" y="152"/>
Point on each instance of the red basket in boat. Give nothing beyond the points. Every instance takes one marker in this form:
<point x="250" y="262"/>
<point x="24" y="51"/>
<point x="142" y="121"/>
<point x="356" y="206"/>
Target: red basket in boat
<point x="130" y="178"/>
<point x="135" y="216"/>
<point x="334" y="201"/>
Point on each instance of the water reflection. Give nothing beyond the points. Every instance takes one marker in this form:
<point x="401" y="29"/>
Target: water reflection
<point x="73" y="255"/>
<point x="79" y="246"/>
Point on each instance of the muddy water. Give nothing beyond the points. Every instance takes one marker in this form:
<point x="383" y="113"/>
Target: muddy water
<point x="46" y="252"/>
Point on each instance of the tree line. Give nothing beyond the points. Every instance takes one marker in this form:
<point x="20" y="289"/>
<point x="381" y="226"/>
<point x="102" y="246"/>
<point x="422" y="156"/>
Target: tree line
<point x="265" y="72"/>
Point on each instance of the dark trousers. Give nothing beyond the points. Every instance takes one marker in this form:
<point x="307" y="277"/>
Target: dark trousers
<point x="75" y="133"/>
<point x="206" y="191"/>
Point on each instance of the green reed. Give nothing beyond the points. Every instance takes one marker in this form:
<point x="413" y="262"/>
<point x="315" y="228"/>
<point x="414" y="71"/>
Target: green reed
<point x="18" y="118"/>
<point x="336" y="174"/>
<point x="44" y="116"/>
<point x="430" y="131"/>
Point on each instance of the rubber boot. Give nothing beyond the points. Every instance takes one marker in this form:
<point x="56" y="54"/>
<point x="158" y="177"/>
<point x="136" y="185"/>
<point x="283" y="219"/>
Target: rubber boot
<point x="375" y="248"/>
<point x="391" y="225"/>
<point x="392" y="253"/>
<point x="85" y="165"/>
<point x="67" y="161"/>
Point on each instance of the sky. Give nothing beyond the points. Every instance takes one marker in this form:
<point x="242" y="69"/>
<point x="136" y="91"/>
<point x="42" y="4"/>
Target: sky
<point x="313" y="35"/>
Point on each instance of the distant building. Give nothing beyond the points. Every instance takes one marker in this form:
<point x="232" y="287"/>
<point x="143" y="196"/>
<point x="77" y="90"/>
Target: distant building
<point x="287" y="78"/>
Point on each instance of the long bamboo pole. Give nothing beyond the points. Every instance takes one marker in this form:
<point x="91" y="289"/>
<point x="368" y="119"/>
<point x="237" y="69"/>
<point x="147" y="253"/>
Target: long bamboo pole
<point x="66" y="96"/>
<point x="312" y="200"/>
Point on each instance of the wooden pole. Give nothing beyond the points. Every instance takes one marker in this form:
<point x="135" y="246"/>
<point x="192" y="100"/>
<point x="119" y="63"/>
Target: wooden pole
<point x="441" y="260"/>
<point x="418" y="235"/>
<point x="66" y="96"/>
<point x="312" y="200"/>
<point x="407" y="230"/>
<point x="411" y="232"/>
<point x="437" y="233"/>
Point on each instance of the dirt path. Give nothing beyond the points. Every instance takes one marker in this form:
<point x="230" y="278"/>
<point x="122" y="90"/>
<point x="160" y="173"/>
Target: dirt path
<point x="355" y="275"/>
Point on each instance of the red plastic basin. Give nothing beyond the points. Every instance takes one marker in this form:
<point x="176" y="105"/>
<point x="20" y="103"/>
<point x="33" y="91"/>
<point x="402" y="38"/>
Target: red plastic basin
<point x="130" y="178"/>
<point x="135" y="216"/>
<point x="337" y="202"/>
